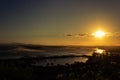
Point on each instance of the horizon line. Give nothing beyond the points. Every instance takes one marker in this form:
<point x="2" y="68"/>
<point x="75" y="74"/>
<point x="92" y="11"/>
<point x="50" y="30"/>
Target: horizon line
<point x="57" y="44"/>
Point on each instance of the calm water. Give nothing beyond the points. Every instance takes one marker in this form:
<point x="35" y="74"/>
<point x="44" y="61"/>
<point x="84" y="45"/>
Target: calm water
<point x="19" y="52"/>
<point x="69" y="60"/>
<point x="61" y="61"/>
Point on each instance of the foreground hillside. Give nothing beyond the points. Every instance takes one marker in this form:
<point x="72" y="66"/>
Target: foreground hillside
<point x="102" y="67"/>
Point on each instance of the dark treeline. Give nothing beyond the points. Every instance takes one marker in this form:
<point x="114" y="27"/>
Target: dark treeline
<point x="98" y="67"/>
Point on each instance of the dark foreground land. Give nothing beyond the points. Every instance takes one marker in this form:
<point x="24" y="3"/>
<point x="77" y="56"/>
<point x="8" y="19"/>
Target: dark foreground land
<point x="98" y="67"/>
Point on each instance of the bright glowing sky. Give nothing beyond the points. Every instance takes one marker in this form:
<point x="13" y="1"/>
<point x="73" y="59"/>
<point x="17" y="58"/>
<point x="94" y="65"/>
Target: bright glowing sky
<point x="48" y="21"/>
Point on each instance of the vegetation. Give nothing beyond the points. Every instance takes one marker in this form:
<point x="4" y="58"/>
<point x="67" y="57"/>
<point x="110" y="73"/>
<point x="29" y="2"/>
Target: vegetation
<point x="96" y="68"/>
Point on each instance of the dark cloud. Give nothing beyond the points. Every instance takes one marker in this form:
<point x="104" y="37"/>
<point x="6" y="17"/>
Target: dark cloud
<point x="115" y="34"/>
<point x="78" y="35"/>
<point x="69" y="35"/>
<point x="83" y="34"/>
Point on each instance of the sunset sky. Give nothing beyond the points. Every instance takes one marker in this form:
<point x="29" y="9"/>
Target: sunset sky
<point x="49" y="21"/>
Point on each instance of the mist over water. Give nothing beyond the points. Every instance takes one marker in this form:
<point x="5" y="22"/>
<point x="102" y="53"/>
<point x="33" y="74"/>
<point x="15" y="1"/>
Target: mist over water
<point x="43" y="51"/>
<point x="24" y="51"/>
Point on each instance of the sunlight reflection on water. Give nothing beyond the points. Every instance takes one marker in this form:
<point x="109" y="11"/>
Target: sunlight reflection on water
<point x="63" y="61"/>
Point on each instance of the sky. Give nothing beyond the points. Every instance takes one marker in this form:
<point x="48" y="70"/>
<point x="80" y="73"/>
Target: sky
<point x="49" y="21"/>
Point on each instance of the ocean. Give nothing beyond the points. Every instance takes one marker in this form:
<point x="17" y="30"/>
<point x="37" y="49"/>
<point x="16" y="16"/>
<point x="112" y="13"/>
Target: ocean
<point x="53" y="55"/>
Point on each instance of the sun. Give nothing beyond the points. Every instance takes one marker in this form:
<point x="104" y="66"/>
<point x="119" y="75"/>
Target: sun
<point x="99" y="34"/>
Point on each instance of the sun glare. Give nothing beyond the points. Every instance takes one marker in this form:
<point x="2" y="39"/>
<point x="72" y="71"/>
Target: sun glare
<point x="100" y="51"/>
<point x="99" y="34"/>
